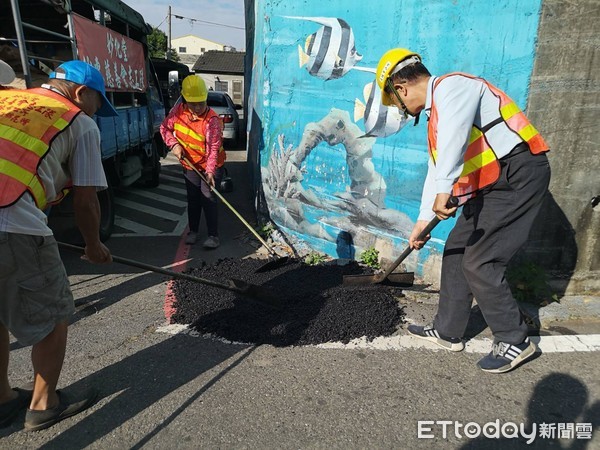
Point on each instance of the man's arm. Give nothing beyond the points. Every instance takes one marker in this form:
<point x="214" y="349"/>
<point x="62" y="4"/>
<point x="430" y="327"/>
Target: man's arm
<point x="457" y="100"/>
<point x="87" y="218"/>
<point x="88" y="177"/>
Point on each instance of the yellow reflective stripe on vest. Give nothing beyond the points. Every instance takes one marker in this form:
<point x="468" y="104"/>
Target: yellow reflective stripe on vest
<point x="478" y="161"/>
<point x="61" y="123"/>
<point x="475" y="134"/>
<point x="188" y="132"/>
<point x="509" y="110"/>
<point x="527" y="132"/>
<point x="24" y="140"/>
<point x="27" y="178"/>
<point x="200" y="148"/>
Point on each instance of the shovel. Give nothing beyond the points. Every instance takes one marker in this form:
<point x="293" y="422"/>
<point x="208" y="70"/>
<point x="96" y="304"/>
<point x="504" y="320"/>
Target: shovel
<point x="259" y="293"/>
<point x="275" y="260"/>
<point x="402" y="279"/>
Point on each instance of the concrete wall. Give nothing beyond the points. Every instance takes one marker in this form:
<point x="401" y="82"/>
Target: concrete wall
<point x="323" y="182"/>
<point x="564" y="103"/>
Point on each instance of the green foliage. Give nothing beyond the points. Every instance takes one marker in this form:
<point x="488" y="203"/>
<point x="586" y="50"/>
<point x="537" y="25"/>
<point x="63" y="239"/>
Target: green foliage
<point x="157" y="45"/>
<point x="266" y="230"/>
<point x="529" y="283"/>
<point x="370" y="257"/>
<point x="314" y="258"/>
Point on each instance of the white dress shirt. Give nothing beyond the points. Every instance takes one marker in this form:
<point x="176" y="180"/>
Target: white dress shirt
<point x="461" y="102"/>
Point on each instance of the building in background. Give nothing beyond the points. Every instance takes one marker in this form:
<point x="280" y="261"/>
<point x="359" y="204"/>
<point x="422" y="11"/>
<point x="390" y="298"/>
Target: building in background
<point x="190" y="47"/>
<point x="223" y="71"/>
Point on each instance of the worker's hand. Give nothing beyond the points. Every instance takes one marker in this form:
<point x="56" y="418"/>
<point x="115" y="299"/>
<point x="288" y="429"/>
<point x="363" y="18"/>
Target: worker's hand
<point x="177" y="151"/>
<point x="97" y="253"/>
<point x="210" y="179"/>
<point x="412" y="240"/>
<point x="440" y="209"/>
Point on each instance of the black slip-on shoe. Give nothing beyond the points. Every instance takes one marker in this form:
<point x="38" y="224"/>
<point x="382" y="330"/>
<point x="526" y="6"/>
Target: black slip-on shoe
<point x="39" y="420"/>
<point x="11" y="409"/>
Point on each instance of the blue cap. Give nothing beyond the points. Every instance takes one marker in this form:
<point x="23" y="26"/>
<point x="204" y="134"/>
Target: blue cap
<point x="85" y="74"/>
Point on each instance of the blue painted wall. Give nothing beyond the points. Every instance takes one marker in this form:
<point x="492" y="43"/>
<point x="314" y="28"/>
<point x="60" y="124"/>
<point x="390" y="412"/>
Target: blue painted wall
<point x="322" y="181"/>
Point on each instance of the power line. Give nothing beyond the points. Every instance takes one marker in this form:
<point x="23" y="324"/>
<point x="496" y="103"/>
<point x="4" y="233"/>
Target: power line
<point x="205" y="21"/>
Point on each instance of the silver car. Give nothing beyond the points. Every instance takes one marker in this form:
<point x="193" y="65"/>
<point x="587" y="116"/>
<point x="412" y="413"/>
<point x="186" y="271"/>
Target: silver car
<point x="222" y="104"/>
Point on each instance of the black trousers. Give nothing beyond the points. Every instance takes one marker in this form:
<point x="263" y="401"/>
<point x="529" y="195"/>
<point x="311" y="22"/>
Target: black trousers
<point x="200" y="198"/>
<point x="493" y="226"/>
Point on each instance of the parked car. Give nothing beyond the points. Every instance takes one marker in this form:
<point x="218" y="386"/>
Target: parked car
<point x="222" y="104"/>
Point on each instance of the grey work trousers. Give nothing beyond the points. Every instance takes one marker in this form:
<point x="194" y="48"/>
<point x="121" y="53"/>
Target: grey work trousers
<point x="493" y="226"/>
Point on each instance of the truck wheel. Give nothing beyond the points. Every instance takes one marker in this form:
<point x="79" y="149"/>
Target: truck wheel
<point x="106" y="198"/>
<point x="62" y="219"/>
<point x="152" y="169"/>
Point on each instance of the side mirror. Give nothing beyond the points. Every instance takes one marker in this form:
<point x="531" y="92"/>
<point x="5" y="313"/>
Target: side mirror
<point x="238" y="106"/>
<point x="174" y="84"/>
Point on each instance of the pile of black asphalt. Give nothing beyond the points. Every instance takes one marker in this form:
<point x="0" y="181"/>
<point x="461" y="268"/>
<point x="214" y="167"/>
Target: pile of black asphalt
<point x="312" y="306"/>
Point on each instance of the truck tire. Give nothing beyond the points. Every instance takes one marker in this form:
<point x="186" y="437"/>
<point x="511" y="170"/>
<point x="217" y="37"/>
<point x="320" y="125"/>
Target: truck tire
<point x="106" y="198"/>
<point x="62" y="219"/>
<point x="152" y="168"/>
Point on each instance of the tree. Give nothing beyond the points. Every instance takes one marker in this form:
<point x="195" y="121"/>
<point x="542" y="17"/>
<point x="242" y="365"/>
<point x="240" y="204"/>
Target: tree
<point x="157" y="45"/>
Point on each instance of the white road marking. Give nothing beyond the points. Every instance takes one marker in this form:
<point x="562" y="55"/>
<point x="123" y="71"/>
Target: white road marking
<point x="160" y="198"/>
<point x="134" y="227"/>
<point x="546" y="344"/>
<point x="176" y="190"/>
<point x="170" y="177"/>
<point x="159" y="213"/>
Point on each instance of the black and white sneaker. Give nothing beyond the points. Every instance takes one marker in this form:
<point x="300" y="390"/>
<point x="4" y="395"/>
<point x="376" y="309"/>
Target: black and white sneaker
<point x="505" y="357"/>
<point x="431" y="334"/>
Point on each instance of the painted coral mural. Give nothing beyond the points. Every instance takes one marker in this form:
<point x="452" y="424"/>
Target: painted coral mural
<point x="339" y="170"/>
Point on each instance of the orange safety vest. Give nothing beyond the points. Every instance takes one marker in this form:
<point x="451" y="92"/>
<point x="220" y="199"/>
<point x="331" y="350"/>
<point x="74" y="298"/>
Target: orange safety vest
<point x="191" y="134"/>
<point x="481" y="167"/>
<point x="29" y="122"/>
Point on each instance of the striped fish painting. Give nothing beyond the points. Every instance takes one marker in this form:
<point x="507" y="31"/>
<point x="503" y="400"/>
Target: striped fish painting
<point x="379" y="120"/>
<point x="330" y="52"/>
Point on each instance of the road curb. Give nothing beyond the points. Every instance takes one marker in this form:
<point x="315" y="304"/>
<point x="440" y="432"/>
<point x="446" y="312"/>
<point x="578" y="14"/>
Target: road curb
<point x="584" y="308"/>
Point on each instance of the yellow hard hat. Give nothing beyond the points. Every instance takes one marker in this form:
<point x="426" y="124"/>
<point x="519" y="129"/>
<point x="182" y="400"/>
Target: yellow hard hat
<point x="390" y="63"/>
<point x="194" y="89"/>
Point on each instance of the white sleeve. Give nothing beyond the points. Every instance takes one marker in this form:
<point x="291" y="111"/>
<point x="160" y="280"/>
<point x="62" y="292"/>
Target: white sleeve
<point x="86" y="162"/>
<point x="457" y="99"/>
<point x="428" y="195"/>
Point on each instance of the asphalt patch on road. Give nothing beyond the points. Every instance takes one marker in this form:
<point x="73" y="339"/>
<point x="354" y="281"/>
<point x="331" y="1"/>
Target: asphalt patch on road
<point x="313" y="306"/>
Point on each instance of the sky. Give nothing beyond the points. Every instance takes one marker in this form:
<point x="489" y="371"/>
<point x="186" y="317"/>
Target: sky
<point x="226" y="12"/>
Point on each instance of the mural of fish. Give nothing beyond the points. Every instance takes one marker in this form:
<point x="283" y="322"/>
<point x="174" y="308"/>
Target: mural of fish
<point x="329" y="53"/>
<point x="379" y="120"/>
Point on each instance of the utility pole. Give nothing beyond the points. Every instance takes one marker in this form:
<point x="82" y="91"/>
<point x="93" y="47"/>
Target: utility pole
<point x="168" y="52"/>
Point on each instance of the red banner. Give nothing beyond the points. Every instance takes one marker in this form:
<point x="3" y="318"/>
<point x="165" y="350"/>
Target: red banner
<point x="119" y="59"/>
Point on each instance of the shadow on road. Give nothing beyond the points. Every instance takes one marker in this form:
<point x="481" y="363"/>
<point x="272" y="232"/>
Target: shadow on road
<point x="139" y="381"/>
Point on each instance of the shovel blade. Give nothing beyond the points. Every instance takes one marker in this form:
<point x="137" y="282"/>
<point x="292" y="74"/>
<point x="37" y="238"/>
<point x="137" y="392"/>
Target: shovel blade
<point x="400" y="279"/>
<point x="273" y="264"/>
<point x="360" y="280"/>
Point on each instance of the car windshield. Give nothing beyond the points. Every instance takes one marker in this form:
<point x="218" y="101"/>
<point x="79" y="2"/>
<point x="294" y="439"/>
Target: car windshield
<point x="216" y="100"/>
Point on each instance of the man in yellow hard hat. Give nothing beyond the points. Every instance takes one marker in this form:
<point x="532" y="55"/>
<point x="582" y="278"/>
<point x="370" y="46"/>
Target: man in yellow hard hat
<point x="194" y="131"/>
<point x="484" y="151"/>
